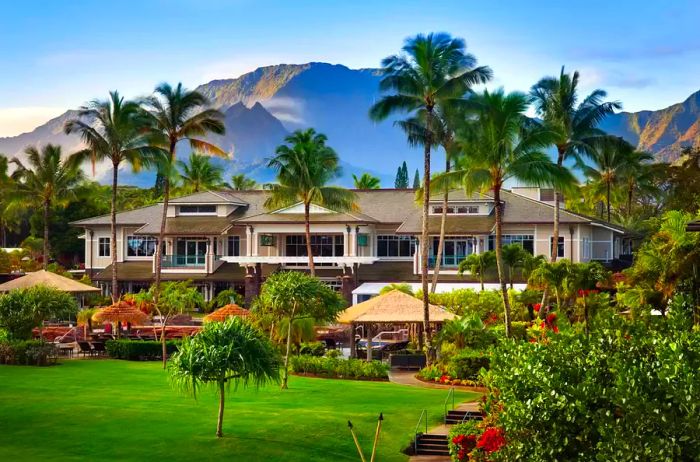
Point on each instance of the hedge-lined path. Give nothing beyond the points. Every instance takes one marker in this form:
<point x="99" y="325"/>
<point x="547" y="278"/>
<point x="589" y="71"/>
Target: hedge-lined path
<point x="409" y="378"/>
<point x="444" y="430"/>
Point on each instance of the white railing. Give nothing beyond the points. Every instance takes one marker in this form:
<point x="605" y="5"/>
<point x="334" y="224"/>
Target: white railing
<point x="281" y="260"/>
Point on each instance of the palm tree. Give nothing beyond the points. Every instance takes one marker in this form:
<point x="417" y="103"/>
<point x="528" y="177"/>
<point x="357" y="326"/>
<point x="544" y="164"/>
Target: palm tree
<point x="240" y="182"/>
<point x="366" y="181"/>
<point x="574" y="124"/>
<point x="304" y="167"/>
<point x="198" y="173"/>
<point x="503" y="144"/>
<point x="9" y="212"/>
<point x="434" y="71"/>
<point x="639" y="176"/>
<point x="177" y="114"/>
<point x="513" y="257"/>
<point x="553" y="277"/>
<point x="112" y="130"/>
<point x="45" y="182"/>
<point x="477" y="264"/>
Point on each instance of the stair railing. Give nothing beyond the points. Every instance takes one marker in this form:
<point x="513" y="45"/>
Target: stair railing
<point x="423" y="414"/>
<point x="450" y="394"/>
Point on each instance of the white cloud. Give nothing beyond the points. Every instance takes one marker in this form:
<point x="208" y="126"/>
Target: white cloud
<point x="17" y="120"/>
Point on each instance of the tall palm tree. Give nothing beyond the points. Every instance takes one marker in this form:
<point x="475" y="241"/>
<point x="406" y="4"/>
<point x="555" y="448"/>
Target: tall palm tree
<point x="613" y="159"/>
<point x="10" y="213"/>
<point x="240" y="182"/>
<point x="639" y="177"/>
<point x="434" y="71"/>
<point x="198" y="173"/>
<point x="112" y="130"/>
<point x="574" y="124"/>
<point x="304" y="168"/>
<point x="366" y="181"/>
<point x="175" y="115"/>
<point x="503" y="144"/>
<point x="46" y="181"/>
<point x="477" y="264"/>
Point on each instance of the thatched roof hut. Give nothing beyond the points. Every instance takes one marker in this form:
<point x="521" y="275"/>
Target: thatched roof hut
<point x="225" y="312"/>
<point x="48" y="279"/>
<point x="393" y="307"/>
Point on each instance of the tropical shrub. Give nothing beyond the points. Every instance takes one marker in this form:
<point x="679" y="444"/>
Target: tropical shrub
<point x="24" y="309"/>
<point x="312" y="349"/>
<point x="475" y="441"/>
<point x="26" y="352"/>
<point x="467" y="364"/>
<point x="467" y="301"/>
<point x="518" y="330"/>
<point x="627" y="392"/>
<point x="339" y="368"/>
<point x="139" y="350"/>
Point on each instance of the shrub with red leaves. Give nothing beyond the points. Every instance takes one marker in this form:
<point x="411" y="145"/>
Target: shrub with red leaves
<point x="492" y="440"/>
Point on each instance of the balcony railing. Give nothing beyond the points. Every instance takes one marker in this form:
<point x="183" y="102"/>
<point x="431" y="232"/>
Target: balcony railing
<point x="184" y="261"/>
<point x="448" y="261"/>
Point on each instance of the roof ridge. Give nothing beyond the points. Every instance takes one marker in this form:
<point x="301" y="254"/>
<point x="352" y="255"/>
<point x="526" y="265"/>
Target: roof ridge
<point x="118" y="213"/>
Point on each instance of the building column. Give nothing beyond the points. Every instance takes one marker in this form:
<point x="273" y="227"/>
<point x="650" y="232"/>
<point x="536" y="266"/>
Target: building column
<point x="252" y="284"/>
<point x="347" y="286"/>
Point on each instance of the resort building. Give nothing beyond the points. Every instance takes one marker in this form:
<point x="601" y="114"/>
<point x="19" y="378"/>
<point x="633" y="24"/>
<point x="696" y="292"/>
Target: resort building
<point x="228" y="239"/>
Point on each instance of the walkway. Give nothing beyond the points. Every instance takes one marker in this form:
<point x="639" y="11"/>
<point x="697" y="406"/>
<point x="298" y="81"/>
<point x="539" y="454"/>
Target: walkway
<point x="409" y="378"/>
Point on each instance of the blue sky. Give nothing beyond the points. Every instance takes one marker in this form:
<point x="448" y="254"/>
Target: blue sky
<point x="57" y="55"/>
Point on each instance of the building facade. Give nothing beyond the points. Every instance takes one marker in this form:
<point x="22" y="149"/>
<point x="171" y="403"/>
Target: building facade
<point x="228" y="239"/>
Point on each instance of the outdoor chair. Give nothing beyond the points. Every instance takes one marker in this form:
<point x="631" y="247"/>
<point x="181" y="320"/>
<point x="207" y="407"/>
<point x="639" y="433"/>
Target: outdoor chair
<point x="98" y="348"/>
<point x="84" y="348"/>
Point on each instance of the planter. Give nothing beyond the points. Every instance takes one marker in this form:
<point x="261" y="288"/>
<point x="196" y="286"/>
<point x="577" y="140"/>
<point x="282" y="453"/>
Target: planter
<point x="416" y="361"/>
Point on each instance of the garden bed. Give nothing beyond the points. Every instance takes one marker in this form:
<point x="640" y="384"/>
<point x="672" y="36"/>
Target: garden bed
<point x="326" y="376"/>
<point x="475" y="388"/>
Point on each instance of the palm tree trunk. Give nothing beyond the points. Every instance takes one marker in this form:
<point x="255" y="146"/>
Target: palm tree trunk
<point x="499" y="256"/>
<point x="164" y="324"/>
<point x="285" y="375"/>
<point x="424" y="235"/>
<point x="555" y="229"/>
<point x="222" y="401"/>
<point x="307" y="232"/>
<point x="481" y="278"/>
<point x="161" y="234"/>
<point x="441" y="241"/>
<point x="585" y="315"/>
<point x="510" y="276"/>
<point x="607" y="198"/>
<point x="45" y="263"/>
<point x="113" y="225"/>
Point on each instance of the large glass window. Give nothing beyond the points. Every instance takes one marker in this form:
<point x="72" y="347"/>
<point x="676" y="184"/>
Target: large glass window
<point x="198" y="209"/>
<point x="103" y="247"/>
<point x="321" y="246"/>
<point x="140" y="246"/>
<point x="234" y="246"/>
<point x="396" y="246"/>
<point x="457" y="209"/>
<point x="525" y="240"/>
<point x="455" y="249"/>
<point x="560" y="247"/>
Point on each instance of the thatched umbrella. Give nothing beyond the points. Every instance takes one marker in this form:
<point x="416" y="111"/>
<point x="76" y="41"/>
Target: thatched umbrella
<point x="394" y="307"/>
<point x="120" y="312"/>
<point x="225" y="312"/>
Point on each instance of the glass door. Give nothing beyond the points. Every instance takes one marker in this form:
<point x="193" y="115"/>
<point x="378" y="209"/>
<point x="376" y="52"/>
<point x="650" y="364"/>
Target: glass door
<point x="195" y="252"/>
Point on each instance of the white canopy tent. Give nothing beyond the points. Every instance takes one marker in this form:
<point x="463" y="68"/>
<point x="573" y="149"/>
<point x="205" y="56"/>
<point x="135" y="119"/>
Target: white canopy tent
<point x="368" y="290"/>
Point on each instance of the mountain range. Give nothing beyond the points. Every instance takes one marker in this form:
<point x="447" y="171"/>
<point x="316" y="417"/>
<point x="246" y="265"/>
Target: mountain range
<point x="264" y="106"/>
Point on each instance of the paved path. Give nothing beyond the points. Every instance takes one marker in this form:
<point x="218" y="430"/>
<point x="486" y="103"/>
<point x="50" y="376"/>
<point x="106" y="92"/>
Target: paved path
<point x="409" y="378"/>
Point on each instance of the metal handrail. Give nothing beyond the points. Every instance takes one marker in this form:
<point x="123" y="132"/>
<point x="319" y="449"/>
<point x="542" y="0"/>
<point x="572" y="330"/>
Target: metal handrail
<point x="415" y="435"/>
<point x="451" y="394"/>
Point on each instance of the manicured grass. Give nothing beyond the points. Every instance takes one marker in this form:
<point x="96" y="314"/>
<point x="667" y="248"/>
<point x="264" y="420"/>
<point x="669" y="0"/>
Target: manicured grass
<point x="119" y="410"/>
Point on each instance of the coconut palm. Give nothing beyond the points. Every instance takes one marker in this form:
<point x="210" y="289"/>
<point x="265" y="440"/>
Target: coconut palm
<point x="553" y="277"/>
<point x="240" y="182"/>
<point x="305" y="166"/>
<point x="513" y="257"/>
<point x="477" y="264"/>
<point x="366" y="181"/>
<point x="112" y="130"/>
<point x="46" y="181"/>
<point x="434" y="71"/>
<point x="175" y="115"/>
<point x="574" y="125"/>
<point x="223" y="353"/>
<point x="198" y="174"/>
<point x="503" y="144"/>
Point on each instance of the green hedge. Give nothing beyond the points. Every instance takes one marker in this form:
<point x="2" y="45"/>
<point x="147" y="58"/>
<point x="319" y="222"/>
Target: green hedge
<point x="139" y="350"/>
<point x="467" y="363"/>
<point x="339" y="368"/>
<point x="518" y="330"/>
<point x="26" y="352"/>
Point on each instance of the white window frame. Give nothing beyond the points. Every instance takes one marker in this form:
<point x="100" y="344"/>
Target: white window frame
<point x="200" y="214"/>
<point x="452" y="209"/>
<point x="100" y="243"/>
<point x="563" y="246"/>
<point x="412" y="242"/>
<point x="145" y="238"/>
<point x="229" y="252"/>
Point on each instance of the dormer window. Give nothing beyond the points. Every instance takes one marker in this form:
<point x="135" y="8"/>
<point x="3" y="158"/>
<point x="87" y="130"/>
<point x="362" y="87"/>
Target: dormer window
<point x="457" y="209"/>
<point x="197" y="210"/>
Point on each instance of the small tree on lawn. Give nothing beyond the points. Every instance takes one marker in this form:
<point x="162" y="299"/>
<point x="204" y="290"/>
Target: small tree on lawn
<point x="292" y="295"/>
<point x="232" y="351"/>
<point x="174" y="298"/>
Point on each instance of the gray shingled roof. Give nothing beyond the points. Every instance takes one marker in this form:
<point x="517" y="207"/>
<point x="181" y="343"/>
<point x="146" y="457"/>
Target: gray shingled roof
<point x="455" y="225"/>
<point x="209" y="197"/>
<point x="187" y="226"/>
<point x="139" y="216"/>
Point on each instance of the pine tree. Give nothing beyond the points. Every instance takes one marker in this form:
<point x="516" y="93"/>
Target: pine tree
<point x="401" y="181"/>
<point x="397" y="181"/>
<point x="416" y="180"/>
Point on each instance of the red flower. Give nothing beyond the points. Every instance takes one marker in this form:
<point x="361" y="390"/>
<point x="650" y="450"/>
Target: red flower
<point x="551" y="318"/>
<point x="492" y="440"/>
<point x="537" y="307"/>
<point x="555" y="329"/>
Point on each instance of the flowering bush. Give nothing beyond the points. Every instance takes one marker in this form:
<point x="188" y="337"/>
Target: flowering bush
<point x="475" y="441"/>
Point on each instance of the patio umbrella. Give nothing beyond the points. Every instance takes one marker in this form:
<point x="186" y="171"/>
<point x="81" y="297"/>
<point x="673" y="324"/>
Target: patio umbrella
<point x="225" y="312"/>
<point x="120" y="312"/>
<point x="48" y="279"/>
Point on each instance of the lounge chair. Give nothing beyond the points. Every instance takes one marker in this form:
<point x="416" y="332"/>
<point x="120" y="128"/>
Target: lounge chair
<point x="84" y="348"/>
<point x="98" y="348"/>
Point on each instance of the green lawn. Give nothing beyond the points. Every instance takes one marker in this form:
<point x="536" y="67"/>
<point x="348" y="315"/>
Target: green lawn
<point x="118" y="410"/>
